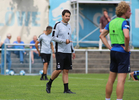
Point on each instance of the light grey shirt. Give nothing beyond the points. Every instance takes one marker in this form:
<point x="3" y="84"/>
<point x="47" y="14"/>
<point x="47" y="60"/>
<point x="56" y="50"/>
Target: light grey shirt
<point x="7" y="40"/>
<point x="61" y="33"/>
<point x="45" y="43"/>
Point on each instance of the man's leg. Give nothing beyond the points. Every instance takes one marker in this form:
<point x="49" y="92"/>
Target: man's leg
<point x="21" y="54"/>
<point x="109" y="85"/>
<point x="9" y="61"/>
<point x="2" y="64"/>
<point x="45" y="67"/>
<point x="54" y="76"/>
<point x="65" y="79"/>
<point x="120" y="85"/>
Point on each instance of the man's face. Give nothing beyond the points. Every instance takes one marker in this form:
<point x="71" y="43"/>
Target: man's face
<point x="35" y="38"/>
<point x="9" y="37"/>
<point x="128" y="13"/>
<point x="66" y="17"/>
<point x="49" y="31"/>
<point x="18" y="39"/>
<point x="105" y="13"/>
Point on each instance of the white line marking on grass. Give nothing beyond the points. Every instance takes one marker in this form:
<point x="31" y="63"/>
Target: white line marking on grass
<point x="99" y="79"/>
<point x="87" y="78"/>
<point x="20" y="86"/>
<point x="12" y="99"/>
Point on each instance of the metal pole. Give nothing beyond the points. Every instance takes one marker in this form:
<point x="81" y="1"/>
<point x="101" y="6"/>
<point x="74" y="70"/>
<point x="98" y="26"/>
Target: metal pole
<point x="30" y="61"/>
<point x="51" y="63"/>
<point x="5" y="59"/>
<point x="131" y="26"/>
<point x="77" y="23"/>
<point x="86" y="61"/>
<point x="74" y="15"/>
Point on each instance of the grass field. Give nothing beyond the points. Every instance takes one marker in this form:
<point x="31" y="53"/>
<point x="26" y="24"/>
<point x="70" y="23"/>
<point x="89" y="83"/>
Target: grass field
<point x="86" y="86"/>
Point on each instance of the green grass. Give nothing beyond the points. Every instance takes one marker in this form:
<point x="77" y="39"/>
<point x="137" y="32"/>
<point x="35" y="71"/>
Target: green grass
<point x="86" y="86"/>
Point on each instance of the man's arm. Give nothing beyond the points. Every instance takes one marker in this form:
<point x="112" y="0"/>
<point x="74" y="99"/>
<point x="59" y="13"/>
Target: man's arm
<point x="52" y="47"/>
<point x="127" y="38"/>
<point x="109" y="19"/>
<point x="103" y="38"/>
<point x="100" y="26"/>
<point x="73" y="51"/>
<point x="1" y="43"/>
<point x="55" y="35"/>
<point x="30" y="46"/>
<point x="53" y="52"/>
<point x="36" y="45"/>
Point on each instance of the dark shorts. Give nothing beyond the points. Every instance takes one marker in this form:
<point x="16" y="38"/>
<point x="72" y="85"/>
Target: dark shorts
<point x="63" y="61"/>
<point x="45" y="57"/>
<point x="120" y="62"/>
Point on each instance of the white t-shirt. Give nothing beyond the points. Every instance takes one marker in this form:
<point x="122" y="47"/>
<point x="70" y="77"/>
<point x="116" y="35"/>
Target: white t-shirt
<point x="45" y="43"/>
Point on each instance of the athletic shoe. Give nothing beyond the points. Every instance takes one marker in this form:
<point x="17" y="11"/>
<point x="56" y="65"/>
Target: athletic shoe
<point x="46" y="78"/>
<point x="69" y="91"/>
<point x="41" y="78"/>
<point x="48" y="88"/>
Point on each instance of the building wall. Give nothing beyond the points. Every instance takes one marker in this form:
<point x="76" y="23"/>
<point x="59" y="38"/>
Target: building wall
<point x="23" y="18"/>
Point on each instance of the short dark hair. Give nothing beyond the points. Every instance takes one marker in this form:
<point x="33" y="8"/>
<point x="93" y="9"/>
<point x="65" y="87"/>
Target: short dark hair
<point x="105" y="10"/>
<point x="48" y="28"/>
<point x="65" y="11"/>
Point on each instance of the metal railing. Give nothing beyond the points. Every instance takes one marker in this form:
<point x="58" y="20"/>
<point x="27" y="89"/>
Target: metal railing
<point x="51" y="63"/>
<point x="25" y="49"/>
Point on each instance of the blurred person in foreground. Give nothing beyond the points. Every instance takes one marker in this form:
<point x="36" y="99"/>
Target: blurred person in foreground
<point x="46" y="47"/>
<point x="34" y="53"/>
<point x="19" y="53"/>
<point x="119" y="52"/>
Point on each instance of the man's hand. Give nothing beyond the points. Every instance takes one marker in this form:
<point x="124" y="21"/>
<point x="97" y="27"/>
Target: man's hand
<point x="53" y="55"/>
<point x="106" y="15"/>
<point x="127" y="50"/>
<point x="68" y="41"/>
<point x="100" y="30"/>
<point x="24" y="52"/>
<point x="73" y="56"/>
<point x="38" y="52"/>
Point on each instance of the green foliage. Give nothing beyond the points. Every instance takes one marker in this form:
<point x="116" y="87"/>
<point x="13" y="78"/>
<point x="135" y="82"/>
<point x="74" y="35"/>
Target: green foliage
<point x="86" y="86"/>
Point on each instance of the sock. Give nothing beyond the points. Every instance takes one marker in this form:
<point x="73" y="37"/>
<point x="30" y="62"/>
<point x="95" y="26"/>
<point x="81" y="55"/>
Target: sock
<point x="50" y="82"/>
<point x="45" y="75"/>
<point x="42" y="76"/>
<point x="66" y="87"/>
<point x="119" y="99"/>
<point x="107" y="98"/>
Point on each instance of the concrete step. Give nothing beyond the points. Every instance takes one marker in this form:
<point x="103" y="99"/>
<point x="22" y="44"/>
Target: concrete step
<point x="26" y="65"/>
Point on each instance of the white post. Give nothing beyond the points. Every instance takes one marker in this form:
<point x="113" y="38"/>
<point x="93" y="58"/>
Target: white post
<point x="5" y="59"/>
<point x="51" y="63"/>
<point x="30" y="61"/>
<point x="77" y="23"/>
<point x="86" y="61"/>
